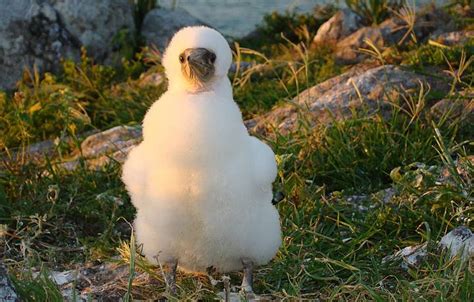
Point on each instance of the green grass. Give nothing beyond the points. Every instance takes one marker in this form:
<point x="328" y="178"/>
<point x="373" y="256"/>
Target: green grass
<point x="333" y="247"/>
<point x="373" y="11"/>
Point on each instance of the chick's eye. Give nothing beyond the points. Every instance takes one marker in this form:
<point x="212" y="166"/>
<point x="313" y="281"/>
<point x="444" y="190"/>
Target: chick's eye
<point x="213" y="58"/>
<point x="181" y="58"/>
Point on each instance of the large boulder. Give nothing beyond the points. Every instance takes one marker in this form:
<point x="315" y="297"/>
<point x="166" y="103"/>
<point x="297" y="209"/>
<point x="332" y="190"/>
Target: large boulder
<point x="96" y="24"/>
<point x="362" y="89"/>
<point x="161" y="24"/>
<point x="31" y="34"/>
<point x="339" y="26"/>
<point x="41" y="33"/>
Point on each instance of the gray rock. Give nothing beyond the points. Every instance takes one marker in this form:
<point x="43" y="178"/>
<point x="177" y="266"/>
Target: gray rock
<point x="151" y="79"/>
<point x="348" y="49"/>
<point x="241" y="66"/>
<point x="100" y="149"/>
<point x="161" y="24"/>
<point x="411" y="256"/>
<point x="433" y="21"/>
<point x="459" y="242"/>
<point x="31" y="34"/>
<point x="365" y="89"/>
<point x="454" y="109"/>
<point x="110" y="141"/>
<point x="40" y="33"/>
<point x="342" y="24"/>
<point x="392" y="31"/>
<point x="454" y="37"/>
<point x="7" y="291"/>
<point x="96" y="23"/>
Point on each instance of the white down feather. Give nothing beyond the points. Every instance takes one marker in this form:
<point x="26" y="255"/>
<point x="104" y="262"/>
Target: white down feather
<point x="202" y="186"/>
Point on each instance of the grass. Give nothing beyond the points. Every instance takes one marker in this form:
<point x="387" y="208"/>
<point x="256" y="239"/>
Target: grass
<point x="373" y="11"/>
<point x="333" y="246"/>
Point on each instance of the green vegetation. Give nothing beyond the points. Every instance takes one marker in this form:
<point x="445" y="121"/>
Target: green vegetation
<point x="333" y="246"/>
<point x="278" y="28"/>
<point x="86" y="96"/>
<point x="373" y="11"/>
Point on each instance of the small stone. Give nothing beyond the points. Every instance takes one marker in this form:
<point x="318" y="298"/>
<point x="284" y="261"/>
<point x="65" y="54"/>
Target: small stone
<point x="454" y="37"/>
<point x="459" y="242"/>
<point x="411" y="256"/>
<point x="62" y="278"/>
<point x="152" y="79"/>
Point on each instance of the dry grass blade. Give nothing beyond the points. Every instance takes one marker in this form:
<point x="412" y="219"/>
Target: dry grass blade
<point x="407" y="14"/>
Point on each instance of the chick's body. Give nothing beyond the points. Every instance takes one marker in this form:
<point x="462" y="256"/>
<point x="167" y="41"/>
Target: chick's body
<point x="201" y="184"/>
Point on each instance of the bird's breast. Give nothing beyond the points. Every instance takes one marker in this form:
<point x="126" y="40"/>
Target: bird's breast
<point x="195" y="129"/>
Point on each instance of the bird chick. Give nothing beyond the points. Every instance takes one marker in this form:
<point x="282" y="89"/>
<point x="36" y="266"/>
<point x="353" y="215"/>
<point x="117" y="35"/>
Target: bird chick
<point x="202" y="186"/>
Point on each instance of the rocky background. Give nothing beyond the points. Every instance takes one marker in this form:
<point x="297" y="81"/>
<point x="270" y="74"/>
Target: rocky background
<point x="40" y="36"/>
<point x="42" y="33"/>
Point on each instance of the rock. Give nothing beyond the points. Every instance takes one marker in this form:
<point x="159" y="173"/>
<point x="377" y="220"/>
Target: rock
<point x="393" y="31"/>
<point x="463" y="167"/>
<point x="38" y="152"/>
<point x="390" y="32"/>
<point x="100" y="149"/>
<point x="41" y="33"/>
<point x="52" y="30"/>
<point x="62" y="278"/>
<point x="412" y="256"/>
<point x="151" y="79"/>
<point x="342" y="24"/>
<point x="110" y="141"/>
<point x="348" y="49"/>
<point x="338" y="97"/>
<point x="433" y="21"/>
<point x="7" y="291"/>
<point x="454" y="37"/>
<point x="32" y="34"/>
<point x="386" y="195"/>
<point x="100" y="281"/>
<point x="161" y="24"/>
<point x="96" y="24"/>
<point x="454" y="109"/>
<point x="458" y="242"/>
<point x="242" y="66"/>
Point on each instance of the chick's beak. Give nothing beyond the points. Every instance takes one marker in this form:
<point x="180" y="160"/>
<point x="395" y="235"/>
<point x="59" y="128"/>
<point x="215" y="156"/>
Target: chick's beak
<point x="198" y="64"/>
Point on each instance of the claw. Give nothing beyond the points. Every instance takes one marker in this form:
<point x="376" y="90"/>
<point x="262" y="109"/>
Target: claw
<point x="226" y="280"/>
<point x="170" y="276"/>
<point x="247" y="281"/>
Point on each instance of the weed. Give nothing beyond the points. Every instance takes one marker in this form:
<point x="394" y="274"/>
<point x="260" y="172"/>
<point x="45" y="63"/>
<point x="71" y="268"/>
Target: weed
<point x="373" y="11"/>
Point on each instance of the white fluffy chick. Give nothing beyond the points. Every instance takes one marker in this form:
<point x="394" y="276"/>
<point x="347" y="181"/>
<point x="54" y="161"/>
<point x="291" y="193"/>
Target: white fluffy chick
<point x="202" y="186"/>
